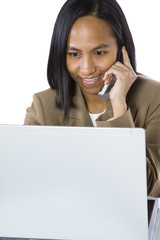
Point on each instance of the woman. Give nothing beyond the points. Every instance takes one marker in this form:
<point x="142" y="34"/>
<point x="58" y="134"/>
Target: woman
<point x="91" y="43"/>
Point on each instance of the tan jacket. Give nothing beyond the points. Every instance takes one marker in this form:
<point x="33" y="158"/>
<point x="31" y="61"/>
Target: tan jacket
<point x="143" y="102"/>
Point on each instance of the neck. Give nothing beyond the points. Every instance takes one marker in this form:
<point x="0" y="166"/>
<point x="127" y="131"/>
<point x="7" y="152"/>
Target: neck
<point x="94" y="103"/>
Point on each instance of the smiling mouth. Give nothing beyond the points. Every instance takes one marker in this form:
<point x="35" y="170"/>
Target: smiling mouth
<point x="90" y="81"/>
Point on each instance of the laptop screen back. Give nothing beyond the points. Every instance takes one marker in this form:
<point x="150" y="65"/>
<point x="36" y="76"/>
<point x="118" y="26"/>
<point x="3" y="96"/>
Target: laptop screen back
<point x="76" y="183"/>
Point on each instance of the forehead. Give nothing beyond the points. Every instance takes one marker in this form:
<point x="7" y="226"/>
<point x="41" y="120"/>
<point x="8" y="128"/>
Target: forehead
<point x="90" y="29"/>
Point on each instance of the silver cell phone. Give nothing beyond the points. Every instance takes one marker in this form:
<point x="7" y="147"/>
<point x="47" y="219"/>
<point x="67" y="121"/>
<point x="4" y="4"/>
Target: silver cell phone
<point x="104" y="93"/>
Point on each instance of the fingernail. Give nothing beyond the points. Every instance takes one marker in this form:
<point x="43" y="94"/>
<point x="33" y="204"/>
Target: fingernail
<point x="105" y="77"/>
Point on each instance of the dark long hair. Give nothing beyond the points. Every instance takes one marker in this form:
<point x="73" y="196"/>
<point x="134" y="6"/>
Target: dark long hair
<point x="57" y="73"/>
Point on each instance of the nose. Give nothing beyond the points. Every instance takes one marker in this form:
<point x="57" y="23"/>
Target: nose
<point x="87" y="65"/>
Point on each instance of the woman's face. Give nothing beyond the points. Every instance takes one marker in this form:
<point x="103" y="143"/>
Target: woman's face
<point x="91" y="51"/>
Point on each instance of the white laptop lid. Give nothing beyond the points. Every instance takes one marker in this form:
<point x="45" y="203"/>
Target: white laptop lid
<point x="73" y="183"/>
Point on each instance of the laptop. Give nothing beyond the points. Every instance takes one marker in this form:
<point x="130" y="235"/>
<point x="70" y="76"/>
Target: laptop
<point x="80" y="183"/>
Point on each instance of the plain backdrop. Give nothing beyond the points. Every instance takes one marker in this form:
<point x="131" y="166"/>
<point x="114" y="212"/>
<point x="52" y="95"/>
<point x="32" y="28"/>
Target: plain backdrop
<point x="25" y="34"/>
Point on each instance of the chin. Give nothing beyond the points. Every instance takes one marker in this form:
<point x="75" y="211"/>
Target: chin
<point x="91" y="91"/>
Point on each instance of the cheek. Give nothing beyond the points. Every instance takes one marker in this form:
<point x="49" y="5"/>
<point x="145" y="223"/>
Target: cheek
<point x="70" y="66"/>
<point x="71" y="69"/>
<point x="108" y="61"/>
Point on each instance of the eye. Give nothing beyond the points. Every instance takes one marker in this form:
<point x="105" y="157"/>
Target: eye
<point x="99" y="53"/>
<point x="74" y="54"/>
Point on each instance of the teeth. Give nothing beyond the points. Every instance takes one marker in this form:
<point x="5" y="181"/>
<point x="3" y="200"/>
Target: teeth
<point x="90" y="79"/>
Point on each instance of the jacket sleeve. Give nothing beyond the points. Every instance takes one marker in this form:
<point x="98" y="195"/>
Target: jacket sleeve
<point x="152" y="129"/>
<point x="35" y="113"/>
<point x="153" y="147"/>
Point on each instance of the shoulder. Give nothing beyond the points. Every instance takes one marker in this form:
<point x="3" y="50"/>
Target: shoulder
<point x="46" y="99"/>
<point x="143" y="99"/>
<point x="147" y="81"/>
<point x="43" y="110"/>
<point x="44" y="96"/>
<point x="144" y="90"/>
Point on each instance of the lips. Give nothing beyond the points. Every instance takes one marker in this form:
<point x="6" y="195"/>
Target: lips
<point x="90" y="81"/>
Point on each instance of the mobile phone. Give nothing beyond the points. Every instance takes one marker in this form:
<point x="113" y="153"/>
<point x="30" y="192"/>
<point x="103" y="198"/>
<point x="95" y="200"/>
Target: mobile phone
<point x="104" y="93"/>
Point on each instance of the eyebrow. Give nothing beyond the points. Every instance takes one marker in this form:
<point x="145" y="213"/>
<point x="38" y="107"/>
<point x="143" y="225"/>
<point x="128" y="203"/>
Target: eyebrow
<point x="98" y="47"/>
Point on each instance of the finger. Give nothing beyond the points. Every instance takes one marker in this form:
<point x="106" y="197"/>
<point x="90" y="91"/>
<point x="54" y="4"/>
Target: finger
<point x="126" y="59"/>
<point x="107" y="76"/>
<point x="106" y="82"/>
<point x="114" y="70"/>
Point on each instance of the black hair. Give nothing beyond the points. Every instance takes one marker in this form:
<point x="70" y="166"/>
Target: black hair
<point x="57" y="73"/>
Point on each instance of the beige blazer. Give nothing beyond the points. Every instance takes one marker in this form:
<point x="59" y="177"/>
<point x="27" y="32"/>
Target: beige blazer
<point x="143" y="102"/>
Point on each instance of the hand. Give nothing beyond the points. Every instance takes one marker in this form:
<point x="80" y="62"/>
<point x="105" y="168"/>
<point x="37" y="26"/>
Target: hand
<point x="125" y="78"/>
